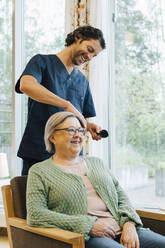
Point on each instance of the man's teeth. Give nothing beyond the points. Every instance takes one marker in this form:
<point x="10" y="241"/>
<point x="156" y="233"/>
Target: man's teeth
<point x="83" y="59"/>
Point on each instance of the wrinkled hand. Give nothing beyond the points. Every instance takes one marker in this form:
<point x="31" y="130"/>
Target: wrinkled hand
<point x="94" y="129"/>
<point x="129" y="237"/>
<point x="102" y="228"/>
<point x="70" y="108"/>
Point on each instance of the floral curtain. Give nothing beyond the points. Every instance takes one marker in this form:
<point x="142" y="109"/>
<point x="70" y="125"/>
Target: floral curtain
<point x="77" y="14"/>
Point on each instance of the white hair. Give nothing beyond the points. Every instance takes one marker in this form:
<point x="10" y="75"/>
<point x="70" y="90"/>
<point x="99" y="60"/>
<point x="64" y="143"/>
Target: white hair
<point x="55" y="120"/>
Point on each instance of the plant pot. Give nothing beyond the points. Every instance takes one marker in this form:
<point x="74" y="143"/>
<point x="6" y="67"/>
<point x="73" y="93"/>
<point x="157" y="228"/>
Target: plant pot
<point x="160" y="182"/>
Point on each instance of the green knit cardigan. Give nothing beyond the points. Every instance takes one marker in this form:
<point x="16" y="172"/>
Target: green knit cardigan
<point x="56" y="198"/>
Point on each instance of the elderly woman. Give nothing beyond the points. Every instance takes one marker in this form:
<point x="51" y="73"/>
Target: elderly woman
<point x="79" y="194"/>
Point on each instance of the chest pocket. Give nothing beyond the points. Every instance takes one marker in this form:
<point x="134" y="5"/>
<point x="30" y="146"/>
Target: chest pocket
<point x="76" y="97"/>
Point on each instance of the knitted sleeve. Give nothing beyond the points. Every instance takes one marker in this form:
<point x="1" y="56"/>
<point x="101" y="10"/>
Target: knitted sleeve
<point x="125" y="208"/>
<point x="39" y="215"/>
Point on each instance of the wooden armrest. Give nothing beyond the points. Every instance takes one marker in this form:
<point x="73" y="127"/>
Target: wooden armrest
<point x="54" y="233"/>
<point x="154" y="214"/>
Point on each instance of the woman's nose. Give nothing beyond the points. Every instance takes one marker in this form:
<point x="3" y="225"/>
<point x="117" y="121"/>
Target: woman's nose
<point x="76" y="133"/>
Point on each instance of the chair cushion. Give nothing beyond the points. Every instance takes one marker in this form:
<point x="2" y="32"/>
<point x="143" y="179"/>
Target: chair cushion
<point x="18" y="189"/>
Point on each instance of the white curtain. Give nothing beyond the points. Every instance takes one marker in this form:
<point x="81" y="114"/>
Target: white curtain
<point x="95" y="13"/>
<point x="99" y="77"/>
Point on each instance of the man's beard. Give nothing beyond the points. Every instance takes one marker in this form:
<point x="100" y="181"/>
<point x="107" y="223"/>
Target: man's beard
<point x="78" y="59"/>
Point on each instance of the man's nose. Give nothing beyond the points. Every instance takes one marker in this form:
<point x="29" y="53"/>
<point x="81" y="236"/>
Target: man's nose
<point x="88" y="56"/>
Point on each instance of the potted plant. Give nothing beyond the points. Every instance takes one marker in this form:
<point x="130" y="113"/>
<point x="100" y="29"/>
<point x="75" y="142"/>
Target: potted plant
<point x="129" y="168"/>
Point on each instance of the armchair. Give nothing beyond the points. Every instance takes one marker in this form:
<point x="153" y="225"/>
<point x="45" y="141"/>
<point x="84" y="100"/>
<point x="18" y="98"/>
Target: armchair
<point x="20" y="234"/>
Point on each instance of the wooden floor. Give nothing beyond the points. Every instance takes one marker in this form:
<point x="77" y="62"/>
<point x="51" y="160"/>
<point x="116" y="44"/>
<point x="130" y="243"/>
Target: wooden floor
<point x="4" y="242"/>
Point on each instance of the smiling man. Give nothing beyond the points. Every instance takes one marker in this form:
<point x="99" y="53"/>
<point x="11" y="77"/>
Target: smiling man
<point x="53" y="84"/>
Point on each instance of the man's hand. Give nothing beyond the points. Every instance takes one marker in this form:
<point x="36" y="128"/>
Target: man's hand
<point x="94" y="129"/>
<point x="30" y="86"/>
<point x="129" y="237"/>
<point x="70" y="108"/>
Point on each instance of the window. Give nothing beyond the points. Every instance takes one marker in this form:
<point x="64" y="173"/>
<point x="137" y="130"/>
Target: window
<point x="44" y="24"/>
<point x="5" y="78"/>
<point x="5" y="83"/>
<point x="38" y="27"/>
<point x="140" y="100"/>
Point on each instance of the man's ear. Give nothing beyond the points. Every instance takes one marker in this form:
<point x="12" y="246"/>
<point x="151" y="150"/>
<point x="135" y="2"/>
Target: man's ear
<point x="78" y="37"/>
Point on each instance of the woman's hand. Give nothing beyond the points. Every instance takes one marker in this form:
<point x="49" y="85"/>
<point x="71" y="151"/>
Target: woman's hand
<point x="129" y="237"/>
<point x="102" y="228"/>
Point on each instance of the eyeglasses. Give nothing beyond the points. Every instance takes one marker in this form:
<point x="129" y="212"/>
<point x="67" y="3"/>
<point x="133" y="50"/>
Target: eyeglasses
<point x="72" y="130"/>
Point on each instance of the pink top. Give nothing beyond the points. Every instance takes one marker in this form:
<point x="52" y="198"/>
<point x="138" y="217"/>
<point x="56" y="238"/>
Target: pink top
<point x="96" y="206"/>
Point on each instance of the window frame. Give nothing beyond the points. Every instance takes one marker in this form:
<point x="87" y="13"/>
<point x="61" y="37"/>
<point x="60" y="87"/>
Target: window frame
<point x="17" y="67"/>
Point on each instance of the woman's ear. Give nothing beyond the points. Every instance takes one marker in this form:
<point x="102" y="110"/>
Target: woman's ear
<point x="52" y="138"/>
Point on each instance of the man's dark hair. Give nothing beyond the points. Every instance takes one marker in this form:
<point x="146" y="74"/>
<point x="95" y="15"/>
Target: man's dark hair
<point x="86" y="33"/>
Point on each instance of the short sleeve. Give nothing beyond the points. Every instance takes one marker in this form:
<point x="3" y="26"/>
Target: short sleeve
<point x="88" y="108"/>
<point x="35" y="68"/>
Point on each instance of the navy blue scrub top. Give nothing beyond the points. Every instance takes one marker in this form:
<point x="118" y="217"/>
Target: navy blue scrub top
<point x="50" y="72"/>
